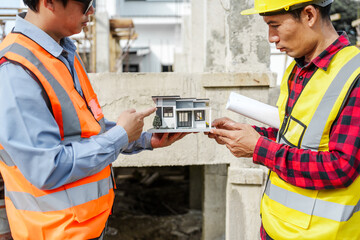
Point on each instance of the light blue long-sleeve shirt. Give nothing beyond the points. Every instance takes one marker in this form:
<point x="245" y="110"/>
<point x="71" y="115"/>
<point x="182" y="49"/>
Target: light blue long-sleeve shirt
<point x="30" y="134"/>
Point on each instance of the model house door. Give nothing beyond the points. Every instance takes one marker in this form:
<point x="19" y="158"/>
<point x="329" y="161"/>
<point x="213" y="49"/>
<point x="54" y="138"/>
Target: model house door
<point x="184" y="119"/>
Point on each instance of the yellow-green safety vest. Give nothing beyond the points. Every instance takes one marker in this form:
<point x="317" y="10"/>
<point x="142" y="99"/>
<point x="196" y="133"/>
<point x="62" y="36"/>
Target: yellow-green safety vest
<point x="290" y="212"/>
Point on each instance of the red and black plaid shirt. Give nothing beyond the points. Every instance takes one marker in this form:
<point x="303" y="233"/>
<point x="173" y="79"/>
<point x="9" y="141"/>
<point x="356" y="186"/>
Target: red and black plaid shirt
<point x="336" y="168"/>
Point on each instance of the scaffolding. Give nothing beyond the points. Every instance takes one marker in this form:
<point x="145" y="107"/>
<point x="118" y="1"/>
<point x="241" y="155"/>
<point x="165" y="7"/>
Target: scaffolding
<point x="121" y="29"/>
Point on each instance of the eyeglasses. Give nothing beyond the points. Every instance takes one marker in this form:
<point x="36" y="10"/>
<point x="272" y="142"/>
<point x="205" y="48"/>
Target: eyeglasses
<point x="87" y="5"/>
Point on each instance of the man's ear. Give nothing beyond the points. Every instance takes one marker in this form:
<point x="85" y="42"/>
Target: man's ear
<point x="310" y="15"/>
<point x="49" y="4"/>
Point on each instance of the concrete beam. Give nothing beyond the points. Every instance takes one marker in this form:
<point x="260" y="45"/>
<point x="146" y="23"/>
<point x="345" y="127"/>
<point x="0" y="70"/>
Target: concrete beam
<point x="242" y="79"/>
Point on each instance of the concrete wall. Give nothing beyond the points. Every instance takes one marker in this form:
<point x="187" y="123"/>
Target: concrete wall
<point x="232" y="187"/>
<point x="118" y="92"/>
<point x="218" y="39"/>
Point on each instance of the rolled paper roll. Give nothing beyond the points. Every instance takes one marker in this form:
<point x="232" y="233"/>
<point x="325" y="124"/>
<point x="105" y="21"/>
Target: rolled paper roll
<point x="254" y="109"/>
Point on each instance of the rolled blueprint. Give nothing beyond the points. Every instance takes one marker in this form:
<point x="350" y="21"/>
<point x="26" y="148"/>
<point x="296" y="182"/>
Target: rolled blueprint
<point x="254" y="109"/>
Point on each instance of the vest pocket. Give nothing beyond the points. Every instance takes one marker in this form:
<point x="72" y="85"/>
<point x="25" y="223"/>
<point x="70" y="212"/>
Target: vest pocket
<point x="289" y="215"/>
<point x="80" y="102"/>
<point x="294" y="132"/>
<point x="91" y="209"/>
<point x="290" y="204"/>
<point x="91" y="199"/>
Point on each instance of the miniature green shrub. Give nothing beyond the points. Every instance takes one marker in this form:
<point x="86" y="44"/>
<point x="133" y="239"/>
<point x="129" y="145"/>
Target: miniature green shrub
<point x="157" y="122"/>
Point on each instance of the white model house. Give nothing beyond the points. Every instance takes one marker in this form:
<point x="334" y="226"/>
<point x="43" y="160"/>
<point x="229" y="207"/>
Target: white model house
<point x="183" y="113"/>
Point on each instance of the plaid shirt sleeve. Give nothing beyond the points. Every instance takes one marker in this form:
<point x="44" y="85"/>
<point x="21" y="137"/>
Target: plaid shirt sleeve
<point x="336" y="168"/>
<point x="270" y="133"/>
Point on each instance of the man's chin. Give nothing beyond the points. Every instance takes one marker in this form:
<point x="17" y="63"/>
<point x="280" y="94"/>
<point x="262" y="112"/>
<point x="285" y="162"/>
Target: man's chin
<point x="292" y="54"/>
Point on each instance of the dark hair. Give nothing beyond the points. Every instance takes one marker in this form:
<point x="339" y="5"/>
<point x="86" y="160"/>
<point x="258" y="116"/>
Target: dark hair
<point x="296" y="13"/>
<point x="33" y="4"/>
<point x="324" y="12"/>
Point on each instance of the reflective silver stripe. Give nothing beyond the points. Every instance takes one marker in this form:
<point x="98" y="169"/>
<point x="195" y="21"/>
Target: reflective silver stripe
<point x="79" y="138"/>
<point x="314" y="131"/>
<point x="290" y="199"/>
<point x="71" y="139"/>
<point x="102" y="124"/>
<point x="311" y="206"/>
<point x="60" y="200"/>
<point x="71" y="123"/>
<point x="5" y="157"/>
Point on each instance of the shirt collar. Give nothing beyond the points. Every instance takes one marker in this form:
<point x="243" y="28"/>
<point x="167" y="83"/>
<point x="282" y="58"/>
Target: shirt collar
<point x="323" y="60"/>
<point x="40" y="37"/>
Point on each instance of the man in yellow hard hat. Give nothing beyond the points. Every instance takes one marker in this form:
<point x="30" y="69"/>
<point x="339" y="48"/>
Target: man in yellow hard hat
<point x="314" y="157"/>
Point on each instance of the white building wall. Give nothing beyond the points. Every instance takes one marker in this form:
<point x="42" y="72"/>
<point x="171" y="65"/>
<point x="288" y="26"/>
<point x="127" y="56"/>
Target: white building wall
<point x="158" y="25"/>
<point x="161" y="39"/>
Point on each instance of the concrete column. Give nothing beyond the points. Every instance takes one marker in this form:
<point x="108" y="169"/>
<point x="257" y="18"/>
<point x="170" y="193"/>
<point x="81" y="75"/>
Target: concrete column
<point x="198" y="28"/>
<point x="247" y="50"/>
<point x="244" y="191"/>
<point x="247" y="45"/>
<point x="222" y="40"/>
<point x="214" y="208"/>
<point x="215" y="36"/>
<point x="102" y="37"/>
<point x="182" y="57"/>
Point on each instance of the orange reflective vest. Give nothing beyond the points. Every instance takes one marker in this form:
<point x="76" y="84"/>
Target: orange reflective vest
<point x="78" y="210"/>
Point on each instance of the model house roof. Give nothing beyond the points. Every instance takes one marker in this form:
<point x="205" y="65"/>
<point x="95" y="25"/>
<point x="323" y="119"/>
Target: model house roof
<point x="178" y="98"/>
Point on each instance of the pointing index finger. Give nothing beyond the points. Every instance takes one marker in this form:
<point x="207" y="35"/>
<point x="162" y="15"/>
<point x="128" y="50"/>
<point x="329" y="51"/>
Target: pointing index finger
<point x="147" y="112"/>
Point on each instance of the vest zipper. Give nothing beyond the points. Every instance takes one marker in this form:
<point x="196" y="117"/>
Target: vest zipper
<point x="287" y="115"/>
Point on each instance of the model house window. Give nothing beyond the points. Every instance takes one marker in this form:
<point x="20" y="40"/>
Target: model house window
<point x="184" y="119"/>
<point x="168" y="112"/>
<point x="199" y="115"/>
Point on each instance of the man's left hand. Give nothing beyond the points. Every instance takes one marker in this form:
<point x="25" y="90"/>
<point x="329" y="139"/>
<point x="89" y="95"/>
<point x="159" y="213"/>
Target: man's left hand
<point x="159" y="140"/>
<point x="239" y="138"/>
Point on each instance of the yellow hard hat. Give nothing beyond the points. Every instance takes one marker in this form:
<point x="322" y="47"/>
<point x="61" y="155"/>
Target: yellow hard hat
<point x="265" y="6"/>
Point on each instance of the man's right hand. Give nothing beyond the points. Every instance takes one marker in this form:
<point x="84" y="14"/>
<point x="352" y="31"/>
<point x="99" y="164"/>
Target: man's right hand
<point x="133" y="122"/>
<point x="240" y="139"/>
<point x="222" y="123"/>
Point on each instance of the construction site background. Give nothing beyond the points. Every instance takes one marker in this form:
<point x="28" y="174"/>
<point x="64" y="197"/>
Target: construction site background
<point x="217" y="196"/>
